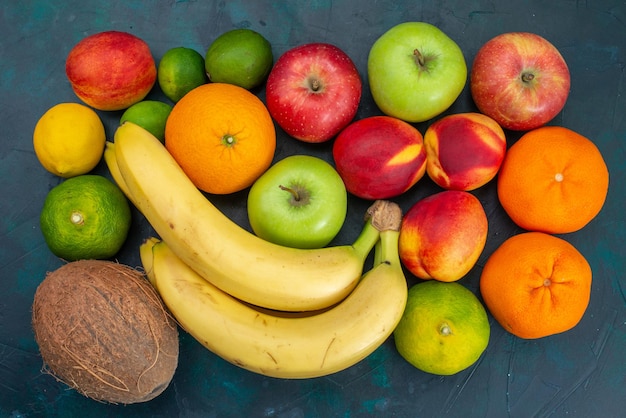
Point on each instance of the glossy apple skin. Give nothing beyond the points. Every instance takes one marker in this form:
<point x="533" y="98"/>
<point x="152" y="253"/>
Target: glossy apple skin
<point x="111" y="70"/>
<point x="520" y="80"/>
<point x="275" y="217"/>
<point x="411" y="92"/>
<point x="379" y="157"/>
<point x="443" y="235"/>
<point x="313" y="91"/>
<point x="464" y="150"/>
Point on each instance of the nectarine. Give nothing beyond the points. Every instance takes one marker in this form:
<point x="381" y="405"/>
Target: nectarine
<point x="443" y="235"/>
<point x="464" y="150"/>
<point x="379" y="157"/>
<point x="111" y="70"/>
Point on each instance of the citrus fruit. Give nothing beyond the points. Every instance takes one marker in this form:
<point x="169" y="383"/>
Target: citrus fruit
<point x="222" y="136"/>
<point x="241" y="57"/>
<point x="150" y="115"/>
<point x="444" y="328"/>
<point x="553" y="180"/>
<point x="85" y="217"/>
<point x="180" y="70"/>
<point x="69" y="139"/>
<point x="536" y="285"/>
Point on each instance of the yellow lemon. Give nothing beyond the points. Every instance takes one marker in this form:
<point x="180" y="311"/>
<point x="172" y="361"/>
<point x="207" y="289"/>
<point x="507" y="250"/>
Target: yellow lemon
<point x="69" y="139"/>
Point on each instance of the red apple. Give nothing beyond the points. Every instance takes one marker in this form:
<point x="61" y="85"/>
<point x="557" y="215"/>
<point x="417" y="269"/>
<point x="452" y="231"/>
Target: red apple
<point x="443" y="235"/>
<point x="313" y="91"/>
<point x="111" y="70"/>
<point x="519" y="79"/>
<point x="379" y="157"/>
<point x="464" y="151"/>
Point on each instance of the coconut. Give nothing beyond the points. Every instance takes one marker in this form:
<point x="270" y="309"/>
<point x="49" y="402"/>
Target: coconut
<point x="103" y="330"/>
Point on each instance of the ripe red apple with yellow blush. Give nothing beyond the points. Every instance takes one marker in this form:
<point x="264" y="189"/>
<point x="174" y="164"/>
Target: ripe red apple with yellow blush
<point x="443" y="235"/>
<point x="519" y="79"/>
<point x="464" y="150"/>
<point x="379" y="157"/>
<point x="111" y="70"/>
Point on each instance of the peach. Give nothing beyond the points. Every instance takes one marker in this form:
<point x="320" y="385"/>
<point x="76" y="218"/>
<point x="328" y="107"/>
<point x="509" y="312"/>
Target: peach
<point x="111" y="70"/>
<point x="379" y="157"/>
<point x="464" y="150"/>
<point x="443" y="235"/>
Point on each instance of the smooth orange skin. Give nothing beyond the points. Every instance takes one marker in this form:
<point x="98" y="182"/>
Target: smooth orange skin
<point x="222" y="136"/>
<point x="379" y="157"/>
<point x="111" y="70"/>
<point x="536" y="284"/>
<point x="443" y="235"/>
<point x="464" y="151"/>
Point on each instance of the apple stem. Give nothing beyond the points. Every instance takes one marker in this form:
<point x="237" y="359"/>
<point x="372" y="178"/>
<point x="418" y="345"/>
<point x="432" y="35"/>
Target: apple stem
<point x="419" y="57"/>
<point x="296" y="195"/>
<point x="314" y="84"/>
<point x="527" y="77"/>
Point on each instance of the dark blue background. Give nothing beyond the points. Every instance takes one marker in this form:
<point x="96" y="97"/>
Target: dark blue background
<point x="579" y="373"/>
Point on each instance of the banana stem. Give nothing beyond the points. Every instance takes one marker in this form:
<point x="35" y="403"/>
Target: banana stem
<point x="366" y="240"/>
<point x="387" y="248"/>
<point x="381" y="216"/>
<point x="378" y="253"/>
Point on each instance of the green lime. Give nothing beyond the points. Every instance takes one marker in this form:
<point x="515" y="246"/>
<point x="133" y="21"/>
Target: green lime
<point x="444" y="328"/>
<point x="150" y="115"/>
<point x="85" y="217"/>
<point x="180" y="71"/>
<point x="240" y="56"/>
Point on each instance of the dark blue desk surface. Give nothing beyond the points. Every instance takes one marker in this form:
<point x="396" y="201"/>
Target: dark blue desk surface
<point x="580" y="373"/>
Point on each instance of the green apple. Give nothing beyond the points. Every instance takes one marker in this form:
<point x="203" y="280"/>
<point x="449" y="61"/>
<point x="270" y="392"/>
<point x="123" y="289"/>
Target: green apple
<point x="415" y="71"/>
<point x="300" y="201"/>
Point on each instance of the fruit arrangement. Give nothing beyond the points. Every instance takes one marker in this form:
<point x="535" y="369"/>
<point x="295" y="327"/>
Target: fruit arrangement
<point x="278" y="298"/>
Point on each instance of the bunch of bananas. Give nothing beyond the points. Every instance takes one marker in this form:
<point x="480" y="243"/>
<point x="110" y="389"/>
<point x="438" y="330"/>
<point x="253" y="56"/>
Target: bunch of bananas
<point x="278" y="311"/>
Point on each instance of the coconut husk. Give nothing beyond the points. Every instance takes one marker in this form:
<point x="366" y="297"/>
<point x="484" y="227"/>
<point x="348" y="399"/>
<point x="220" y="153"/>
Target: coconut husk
<point x="103" y="330"/>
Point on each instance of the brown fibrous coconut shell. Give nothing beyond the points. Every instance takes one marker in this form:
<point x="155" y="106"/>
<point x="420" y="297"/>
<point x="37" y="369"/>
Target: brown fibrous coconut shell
<point x="103" y="330"/>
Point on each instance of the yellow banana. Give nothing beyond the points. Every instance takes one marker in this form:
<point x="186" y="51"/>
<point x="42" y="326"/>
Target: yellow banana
<point x="231" y="257"/>
<point x="111" y="162"/>
<point x="273" y="345"/>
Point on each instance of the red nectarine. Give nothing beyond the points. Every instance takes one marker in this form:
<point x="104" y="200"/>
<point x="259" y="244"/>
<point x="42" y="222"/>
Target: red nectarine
<point x="443" y="235"/>
<point x="111" y="70"/>
<point x="464" y="150"/>
<point x="379" y="157"/>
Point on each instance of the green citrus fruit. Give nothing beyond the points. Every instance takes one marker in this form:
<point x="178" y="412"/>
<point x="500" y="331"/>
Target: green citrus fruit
<point x="85" y="217"/>
<point x="240" y="56"/>
<point x="150" y="115"/>
<point x="444" y="328"/>
<point x="180" y="71"/>
<point x="69" y="139"/>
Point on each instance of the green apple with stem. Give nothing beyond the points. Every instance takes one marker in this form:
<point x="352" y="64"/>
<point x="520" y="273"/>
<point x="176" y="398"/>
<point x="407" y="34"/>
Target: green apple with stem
<point x="300" y="201"/>
<point x="415" y="71"/>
